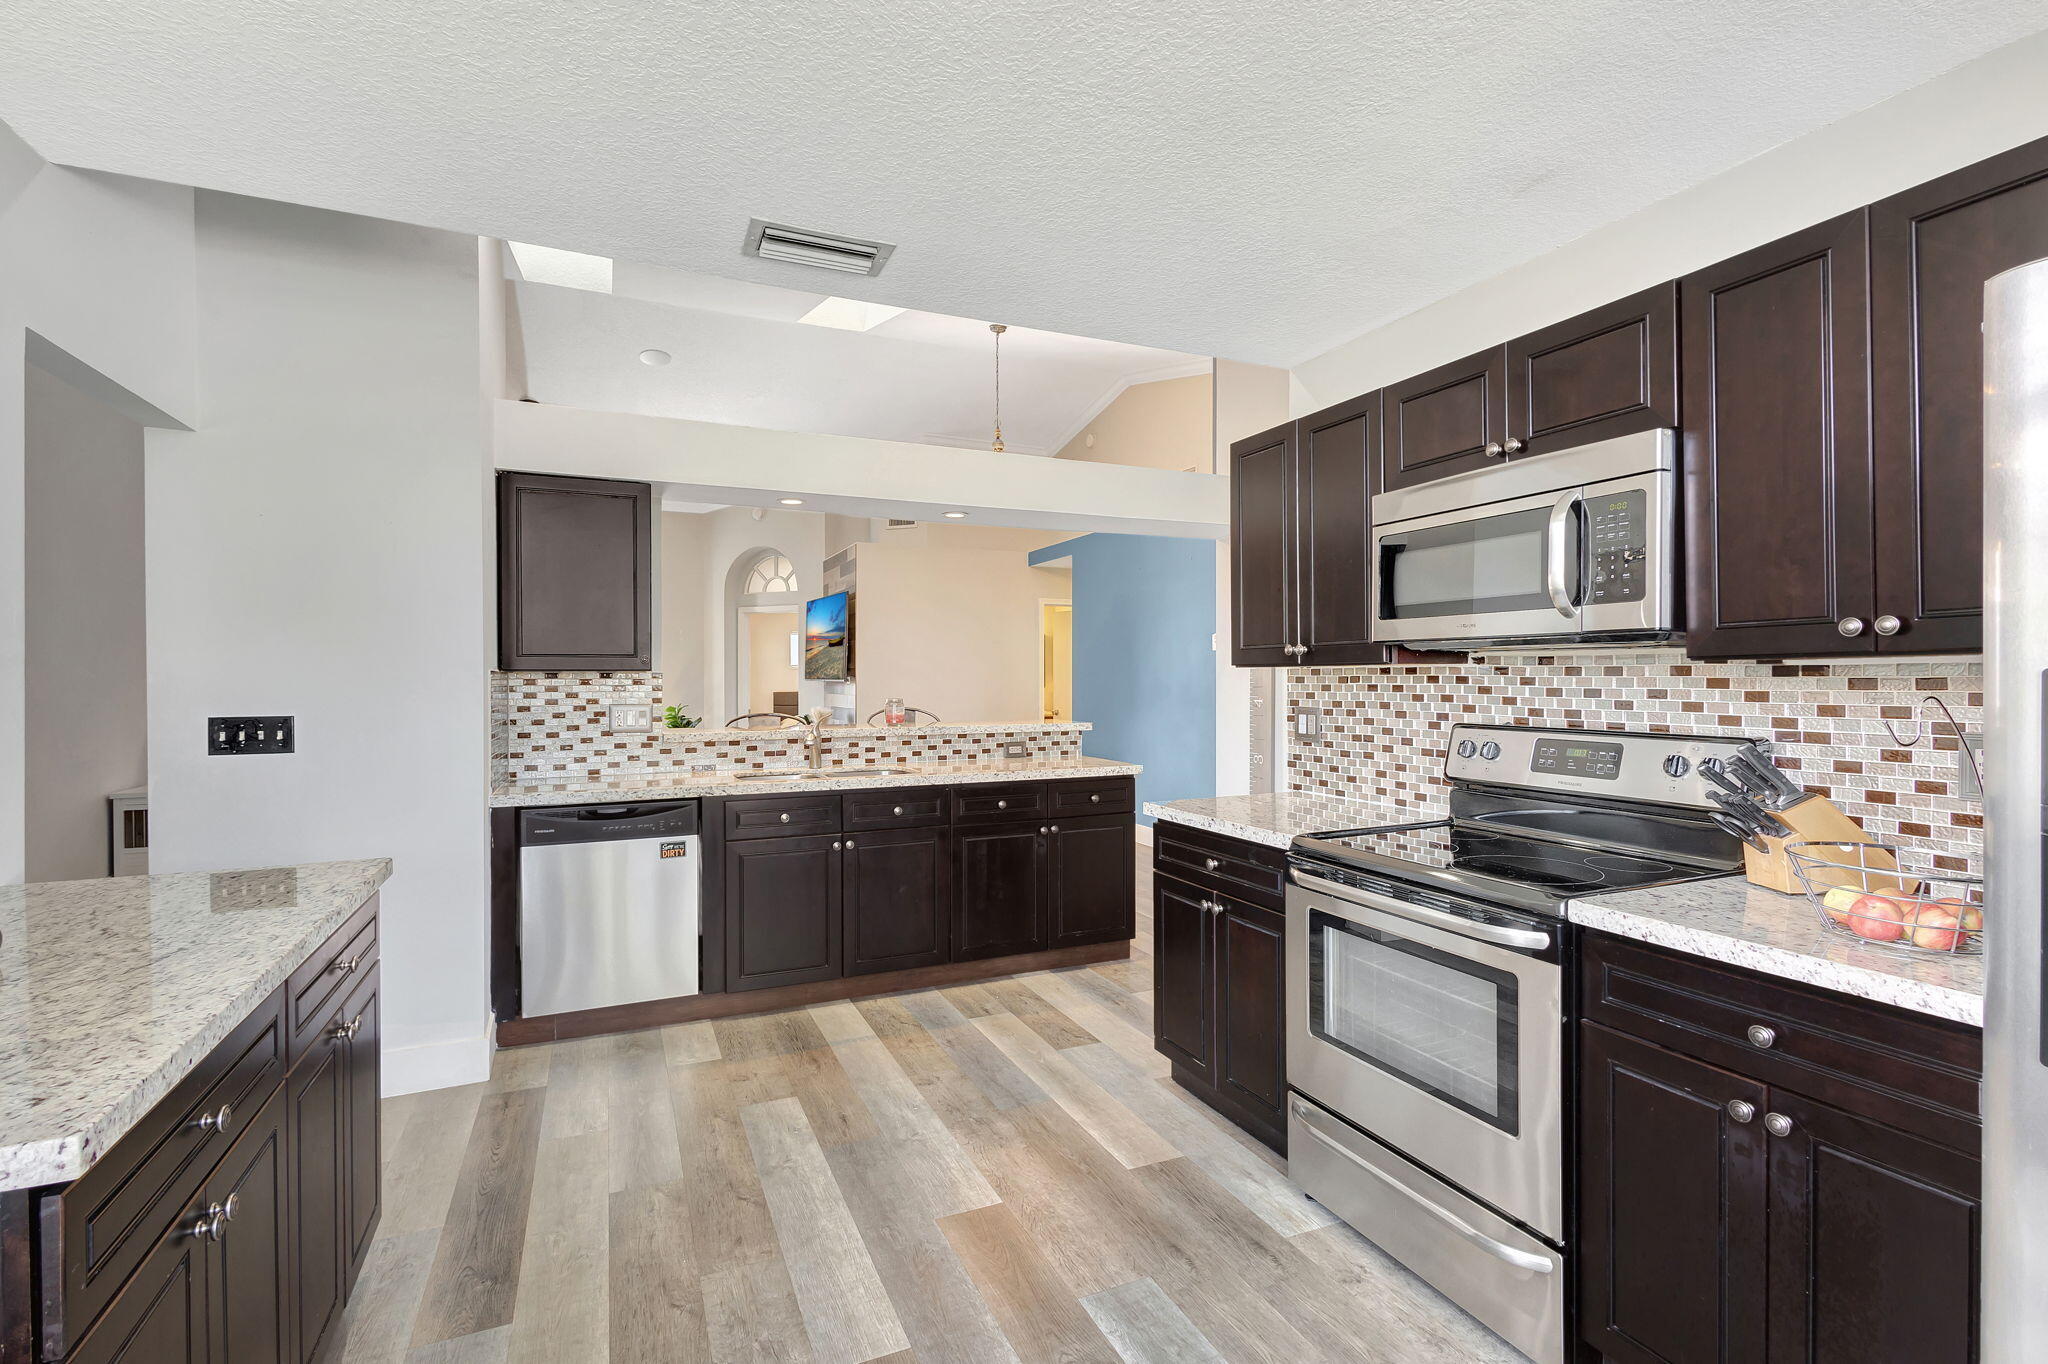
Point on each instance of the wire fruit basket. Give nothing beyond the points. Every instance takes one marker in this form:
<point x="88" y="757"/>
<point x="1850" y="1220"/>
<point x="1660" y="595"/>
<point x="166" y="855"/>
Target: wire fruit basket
<point x="1866" y="891"/>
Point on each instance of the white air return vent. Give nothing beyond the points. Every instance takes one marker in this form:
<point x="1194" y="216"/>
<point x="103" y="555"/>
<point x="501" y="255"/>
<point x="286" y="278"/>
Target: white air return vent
<point x="825" y="250"/>
<point x="897" y="523"/>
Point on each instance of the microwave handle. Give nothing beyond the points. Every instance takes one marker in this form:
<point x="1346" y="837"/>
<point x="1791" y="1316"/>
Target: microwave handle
<point x="1556" y="565"/>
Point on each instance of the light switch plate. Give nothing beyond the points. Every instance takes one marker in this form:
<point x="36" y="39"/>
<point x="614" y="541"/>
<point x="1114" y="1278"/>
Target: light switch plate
<point x="1308" y="722"/>
<point x="629" y="719"/>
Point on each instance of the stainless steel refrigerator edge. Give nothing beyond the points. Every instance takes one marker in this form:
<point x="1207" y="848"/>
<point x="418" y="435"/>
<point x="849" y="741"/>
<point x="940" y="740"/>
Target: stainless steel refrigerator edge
<point x="2015" y="1244"/>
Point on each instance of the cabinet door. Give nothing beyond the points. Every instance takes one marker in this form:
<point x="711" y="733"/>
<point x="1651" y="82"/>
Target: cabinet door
<point x="999" y="892"/>
<point x="316" y="1138"/>
<point x="1182" y="982"/>
<point x="575" y="573"/>
<point x="1262" y="601"/>
<point x="782" y="911"/>
<point x="898" y="887"/>
<point x="1777" y="449"/>
<point x="1251" y="1007"/>
<point x="1090" y="880"/>
<point x="1609" y="372"/>
<point x="1339" y="449"/>
<point x="363" y="1155"/>
<point x="249" y="1286"/>
<point x="1448" y="421"/>
<point x="1931" y="250"/>
<point x="1873" y="1243"/>
<point x="1672" y="1206"/>
<point x="159" y="1316"/>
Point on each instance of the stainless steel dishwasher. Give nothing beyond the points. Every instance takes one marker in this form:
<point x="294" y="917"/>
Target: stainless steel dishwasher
<point x="609" y="909"/>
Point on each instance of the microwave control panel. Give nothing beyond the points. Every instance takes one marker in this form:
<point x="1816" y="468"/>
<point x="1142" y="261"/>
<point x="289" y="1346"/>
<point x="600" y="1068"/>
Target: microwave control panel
<point x="1618" y="534"/>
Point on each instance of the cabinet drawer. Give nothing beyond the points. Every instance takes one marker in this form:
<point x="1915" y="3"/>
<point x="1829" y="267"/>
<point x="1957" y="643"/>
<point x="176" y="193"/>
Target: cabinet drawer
<point x="993" y="804"/>
<point x="902" y="807"/>
<point x="98" y="1229"/>
<point x="1251" y="871"/>
<point x="346" y="956"/>
<point x="1103" y="796"/>
<point x="777" y="816"/>
<point x="1916" y="1073"/>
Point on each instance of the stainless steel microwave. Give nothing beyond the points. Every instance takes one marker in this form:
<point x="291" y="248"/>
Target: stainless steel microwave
<point x="1574" y="547"/>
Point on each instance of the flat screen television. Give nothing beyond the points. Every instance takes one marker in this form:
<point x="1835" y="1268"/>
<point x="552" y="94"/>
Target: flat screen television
<point x="828" y="638"/>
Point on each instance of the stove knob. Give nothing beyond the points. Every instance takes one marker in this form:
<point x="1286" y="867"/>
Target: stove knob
<point x="1489" y="750"/>
<point x="1676" y="765"/>
<point x="1466" y="748"/>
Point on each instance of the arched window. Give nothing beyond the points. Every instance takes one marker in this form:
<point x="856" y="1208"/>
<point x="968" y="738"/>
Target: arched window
<point x="770" y="573"/>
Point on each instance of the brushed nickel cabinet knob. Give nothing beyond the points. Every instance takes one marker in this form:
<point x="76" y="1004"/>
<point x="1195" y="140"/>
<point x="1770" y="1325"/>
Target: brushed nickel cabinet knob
<point x="1777" y="1124"/>
<point x="1850" y="626"/>
<point x="1494" y="449"/>
<point x="1888" y="625"/>
<point x="1760" y="1036"/>
<point x="1515" y="445"/>
<point x="1742" y="1110"/>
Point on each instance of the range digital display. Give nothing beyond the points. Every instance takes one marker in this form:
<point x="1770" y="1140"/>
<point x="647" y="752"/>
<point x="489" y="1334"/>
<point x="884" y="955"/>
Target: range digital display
<point x="1577" y="758"/>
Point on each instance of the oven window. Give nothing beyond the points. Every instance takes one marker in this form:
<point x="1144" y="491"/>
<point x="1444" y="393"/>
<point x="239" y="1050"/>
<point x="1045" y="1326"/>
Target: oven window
<point x="1468" y="568"/>
<point x="1445" y="1024"/>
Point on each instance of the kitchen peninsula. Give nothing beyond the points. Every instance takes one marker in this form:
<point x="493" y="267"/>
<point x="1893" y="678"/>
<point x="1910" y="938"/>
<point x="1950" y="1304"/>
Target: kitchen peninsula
<point x="189" y="1129"/>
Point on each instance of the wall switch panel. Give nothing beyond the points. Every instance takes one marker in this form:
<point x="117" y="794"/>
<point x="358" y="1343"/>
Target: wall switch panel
<point x="226" y="734"/>
<point x="630" y="718"/>
<point x="1308" y="722"/>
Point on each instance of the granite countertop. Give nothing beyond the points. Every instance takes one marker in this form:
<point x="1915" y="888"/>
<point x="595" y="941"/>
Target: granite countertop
<point x="1729" y="920"/>
<point x="1275" y="818"/>
<point x="838" y="779"/>
<point x="798" y="733"/>
<point x="111" y="990"/>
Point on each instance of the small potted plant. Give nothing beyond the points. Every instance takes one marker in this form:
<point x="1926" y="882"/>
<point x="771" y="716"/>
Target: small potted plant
<point x="673" y="718"/>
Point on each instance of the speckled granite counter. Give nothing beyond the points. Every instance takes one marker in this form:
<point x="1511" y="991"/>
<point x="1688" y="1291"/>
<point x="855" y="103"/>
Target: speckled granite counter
<point x="1274" y="819"/>
<point x="1729" y="920"/>
<point x="111" y="990"/>
<point x="837" y="779"/>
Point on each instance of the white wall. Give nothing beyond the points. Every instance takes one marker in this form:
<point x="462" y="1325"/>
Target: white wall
<point x="86" y="724"/>
<point x="954" y="631"/>
<point x="101" y="267"/>
<point x="1965" y="115"/>
<point x="316" y="549"/>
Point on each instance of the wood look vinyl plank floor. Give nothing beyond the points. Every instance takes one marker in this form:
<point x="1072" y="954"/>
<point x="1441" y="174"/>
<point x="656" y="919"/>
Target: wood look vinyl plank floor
<point x="997" y="1173"/>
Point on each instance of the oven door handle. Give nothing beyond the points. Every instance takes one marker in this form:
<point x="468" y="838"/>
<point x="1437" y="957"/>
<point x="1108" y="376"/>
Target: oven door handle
<point x="1555" y="564"/>
<point x="1499" y="1250"/>
<point x="1520" y="939"/>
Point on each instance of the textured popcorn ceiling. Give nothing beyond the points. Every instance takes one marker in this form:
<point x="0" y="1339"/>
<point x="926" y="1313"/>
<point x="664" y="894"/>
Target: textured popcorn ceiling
<point x="1250" y="180"/>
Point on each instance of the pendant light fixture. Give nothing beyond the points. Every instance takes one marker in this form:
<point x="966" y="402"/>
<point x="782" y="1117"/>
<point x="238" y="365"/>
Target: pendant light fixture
<point x="998" y="328"/>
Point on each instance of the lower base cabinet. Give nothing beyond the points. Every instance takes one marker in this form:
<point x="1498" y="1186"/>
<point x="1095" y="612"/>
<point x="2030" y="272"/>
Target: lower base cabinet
<point x="999" y="880"/>
<point x="782" y="907"/>
<point x="1726" y="1214"/>
<point x="1219" y="995"/>
<point x="336" y="1147"/>
<point x="896" y="887"/>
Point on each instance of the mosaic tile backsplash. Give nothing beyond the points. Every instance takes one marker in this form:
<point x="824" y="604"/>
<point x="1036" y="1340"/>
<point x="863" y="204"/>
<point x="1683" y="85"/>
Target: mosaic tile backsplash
<point x="550" y="729"/>
<point x="1384" y="729"/>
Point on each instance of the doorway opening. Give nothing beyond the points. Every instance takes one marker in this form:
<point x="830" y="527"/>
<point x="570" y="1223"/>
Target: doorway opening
<point x="1056" y="659"/>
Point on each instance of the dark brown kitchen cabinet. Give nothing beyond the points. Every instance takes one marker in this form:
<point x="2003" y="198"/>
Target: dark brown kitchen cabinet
<point x="1089" y="880"/>
<point x="1932" y="248"/>
<point x="1671" y="1205"/>
<point x="331" y="1116"/>
<point x="1449" y="420"/>
<point x="1609" y="372"/>
<point x="1728" y="1211"/>
<point x="783" y="899"/>
<point x="1262" y="588"/>
<point x="575" y="573"/>
<point x="362" y="1137"/>
<point x="248" y="1266"/>
<point x="1219" y="974"/>
<point x="897" y="888"/>
<point x="160" y="1314"/>
<point x="999" y="902"/>
<point x="1777" y="448"/>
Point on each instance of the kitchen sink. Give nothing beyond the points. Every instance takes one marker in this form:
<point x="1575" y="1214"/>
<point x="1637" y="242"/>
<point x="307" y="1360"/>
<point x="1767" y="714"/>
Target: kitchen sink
<point x="825" y="774"/>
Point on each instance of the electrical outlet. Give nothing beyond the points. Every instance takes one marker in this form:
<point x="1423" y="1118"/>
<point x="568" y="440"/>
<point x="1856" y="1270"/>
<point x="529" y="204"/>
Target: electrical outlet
<point x="1016" y="750"/>
<point x="629" y="719"/>
<point x="231" y="734"/>
<point x="1967" y="785"/>
<point x="1308" y="722"/>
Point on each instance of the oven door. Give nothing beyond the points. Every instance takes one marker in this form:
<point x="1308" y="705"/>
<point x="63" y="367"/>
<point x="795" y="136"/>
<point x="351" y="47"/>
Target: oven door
<point x="1509" y="570"/>
<point x="1440" y="1036"/>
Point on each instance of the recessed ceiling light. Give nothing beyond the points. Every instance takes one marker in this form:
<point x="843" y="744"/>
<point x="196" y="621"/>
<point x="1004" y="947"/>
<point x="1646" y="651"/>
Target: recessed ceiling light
<point x="654" y="357"/>
<point x="849" y="314"/>
<point x="956" y="516"/>
<point x="791" y="501"/>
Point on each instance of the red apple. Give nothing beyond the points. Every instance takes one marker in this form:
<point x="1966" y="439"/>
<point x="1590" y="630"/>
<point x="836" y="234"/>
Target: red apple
<point x="1969" y="916"/>
<point x="1876" y="918"/>
<point x="1935" y="929"/>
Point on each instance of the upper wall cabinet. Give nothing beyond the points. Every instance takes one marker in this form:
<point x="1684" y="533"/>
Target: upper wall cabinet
<point x="1300" y="532"/>
<point x="1931" y="251"/>
<point x="575" y="574"/>
<point x="1777" y="449"/>
<point x="1609" y="372"/>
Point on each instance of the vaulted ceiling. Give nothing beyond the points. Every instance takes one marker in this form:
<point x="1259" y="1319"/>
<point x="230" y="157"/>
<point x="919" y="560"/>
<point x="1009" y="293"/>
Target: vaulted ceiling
<point x="1254" y="181"/>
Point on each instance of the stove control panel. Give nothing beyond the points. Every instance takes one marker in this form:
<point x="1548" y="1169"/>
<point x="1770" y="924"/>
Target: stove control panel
<point x="1663" y="768"/>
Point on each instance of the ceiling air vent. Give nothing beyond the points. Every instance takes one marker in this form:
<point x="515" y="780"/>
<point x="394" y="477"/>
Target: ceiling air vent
<point x="825" y="250"/>
<point x="897" y="523"/>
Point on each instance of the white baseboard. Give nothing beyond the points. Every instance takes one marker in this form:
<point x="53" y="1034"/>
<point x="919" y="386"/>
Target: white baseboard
<point x="1144" y="835"/>
<point x="438" y="1065"/>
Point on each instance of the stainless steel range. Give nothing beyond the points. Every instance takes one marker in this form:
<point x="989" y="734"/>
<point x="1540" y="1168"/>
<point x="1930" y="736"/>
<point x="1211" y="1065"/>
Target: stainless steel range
<point x="1427" y="987"/>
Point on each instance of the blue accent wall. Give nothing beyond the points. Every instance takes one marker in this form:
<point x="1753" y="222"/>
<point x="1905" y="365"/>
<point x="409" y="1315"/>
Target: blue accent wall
<point x="1144" y="675"/>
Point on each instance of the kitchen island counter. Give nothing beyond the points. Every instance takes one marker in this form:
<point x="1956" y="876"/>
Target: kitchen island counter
<point x="1275" y="818"/>
<point x="628" y="790"/>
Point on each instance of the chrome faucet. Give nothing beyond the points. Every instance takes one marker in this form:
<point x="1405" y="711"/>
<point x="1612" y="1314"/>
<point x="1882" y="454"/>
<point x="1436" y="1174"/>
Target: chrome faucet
<point x="814" y="739"/>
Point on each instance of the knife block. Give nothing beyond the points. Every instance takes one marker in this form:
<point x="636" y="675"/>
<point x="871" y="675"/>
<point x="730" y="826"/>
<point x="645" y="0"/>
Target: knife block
<point x="1814" y="820"/>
